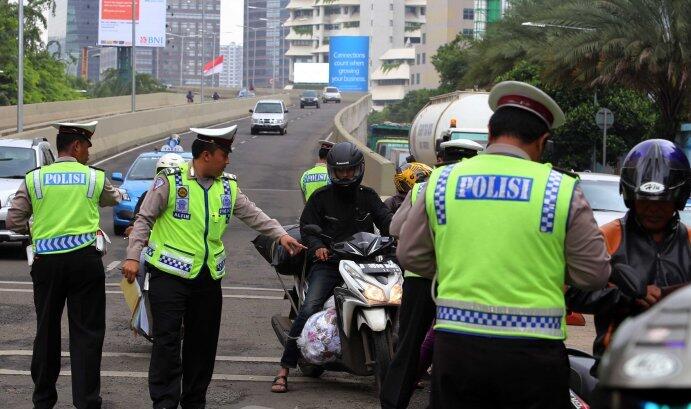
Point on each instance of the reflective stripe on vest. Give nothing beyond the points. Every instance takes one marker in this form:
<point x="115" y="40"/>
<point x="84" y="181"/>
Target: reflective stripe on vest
<point x="518" y="321"/>
<point x="63" y="243"/>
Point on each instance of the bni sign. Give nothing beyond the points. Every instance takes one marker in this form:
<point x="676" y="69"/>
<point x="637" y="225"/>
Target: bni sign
<point x="349" y="63"/>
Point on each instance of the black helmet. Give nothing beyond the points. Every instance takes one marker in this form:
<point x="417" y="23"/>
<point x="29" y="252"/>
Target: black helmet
<point x="655" y="170"/>
<point x="345" y="155"/>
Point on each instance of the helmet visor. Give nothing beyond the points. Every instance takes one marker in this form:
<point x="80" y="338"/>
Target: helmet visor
<point x="346" y="175"/>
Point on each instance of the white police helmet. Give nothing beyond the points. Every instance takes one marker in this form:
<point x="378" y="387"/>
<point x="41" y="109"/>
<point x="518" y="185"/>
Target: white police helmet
<point x="169" y="160"/>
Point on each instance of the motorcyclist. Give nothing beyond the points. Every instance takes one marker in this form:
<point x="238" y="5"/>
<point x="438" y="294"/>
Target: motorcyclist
<point x="404" y="179"/>
<point x="650" y="239"/>
<point x="341" y="209"/>
<point x="169" y="160"/>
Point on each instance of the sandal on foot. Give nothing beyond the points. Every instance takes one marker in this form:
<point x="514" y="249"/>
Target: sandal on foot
<point x="277" y="387"/>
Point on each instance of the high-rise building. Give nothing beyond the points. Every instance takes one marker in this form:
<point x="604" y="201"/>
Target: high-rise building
<point x="180" y="63"/>
<point x="488" y="11"/>
<point x="391" y="81"/>
<point x="263" y="43"/>
<point x="389" y="24"/>
<point x="450" y="17"/>
<point x="73" y="30"/>
<point x="231" y="77"/>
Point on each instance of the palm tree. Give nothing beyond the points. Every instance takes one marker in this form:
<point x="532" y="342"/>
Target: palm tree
<point x="641" y="44"/>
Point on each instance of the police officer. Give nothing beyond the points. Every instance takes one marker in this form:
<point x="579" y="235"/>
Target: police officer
<point x="504" y="234"/>
<point x="180" y="227"/>
<point x="316" y="177"/>
<point x="64" y="198"/>
<point x="417" y="306"/>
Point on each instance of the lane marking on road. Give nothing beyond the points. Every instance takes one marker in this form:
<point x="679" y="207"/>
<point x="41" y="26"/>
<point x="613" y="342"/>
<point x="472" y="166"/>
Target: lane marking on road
<point x="254" y="137"/>
<point x="156" y="141"/>
<point x="241" y="288"/>
<point x="220" y="358"/>
<point x="238" y="296"/>
<point x="216" y="377"/>
<point x="242" y="142"/>
<point x="112" y="265"/>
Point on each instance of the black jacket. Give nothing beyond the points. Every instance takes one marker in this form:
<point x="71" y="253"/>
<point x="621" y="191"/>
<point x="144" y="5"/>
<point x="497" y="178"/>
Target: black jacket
<point x="341" y="214"/>
<point x="666" y="265"/>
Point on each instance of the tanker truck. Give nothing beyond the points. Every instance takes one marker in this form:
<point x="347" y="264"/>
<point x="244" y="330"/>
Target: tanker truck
<point x="456" y="115"/>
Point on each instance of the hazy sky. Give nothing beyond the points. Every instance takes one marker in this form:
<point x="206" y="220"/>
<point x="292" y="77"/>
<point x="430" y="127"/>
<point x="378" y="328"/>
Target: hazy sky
<point x="231" y="16"/>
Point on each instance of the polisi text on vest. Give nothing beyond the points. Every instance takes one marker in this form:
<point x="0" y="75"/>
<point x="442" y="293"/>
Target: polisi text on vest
<point x="493" y="187"/>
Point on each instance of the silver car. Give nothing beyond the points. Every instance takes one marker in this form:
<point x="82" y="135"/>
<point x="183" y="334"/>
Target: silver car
<point x="17" y="157"/>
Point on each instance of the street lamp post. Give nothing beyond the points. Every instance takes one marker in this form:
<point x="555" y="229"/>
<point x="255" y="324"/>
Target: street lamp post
<point x="134" y="58"/>
<point x="20" y="64"/>
<point x="203" y="37"/>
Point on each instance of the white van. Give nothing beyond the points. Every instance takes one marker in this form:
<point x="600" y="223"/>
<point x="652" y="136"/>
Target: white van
<point x="269" y="115"/>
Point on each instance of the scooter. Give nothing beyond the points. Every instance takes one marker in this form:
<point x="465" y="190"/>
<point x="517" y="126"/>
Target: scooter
<point x="366" y="304"/>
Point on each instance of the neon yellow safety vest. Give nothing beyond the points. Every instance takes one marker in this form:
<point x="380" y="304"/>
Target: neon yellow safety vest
<point x="313" y="179"/>
<point x="499" y="225"/>
<point x="187" y="235"/>
<point x="417" y="188"/>
<point x="64" y="197"/>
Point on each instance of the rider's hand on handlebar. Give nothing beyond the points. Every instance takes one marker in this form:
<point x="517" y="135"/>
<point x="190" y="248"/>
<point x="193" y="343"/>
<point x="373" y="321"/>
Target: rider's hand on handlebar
<point x="653" y="295"/>
<point x="322" y="254"/>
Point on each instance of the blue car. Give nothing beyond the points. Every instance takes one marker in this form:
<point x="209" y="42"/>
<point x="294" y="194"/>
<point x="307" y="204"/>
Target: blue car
<point x="137" y="181"/>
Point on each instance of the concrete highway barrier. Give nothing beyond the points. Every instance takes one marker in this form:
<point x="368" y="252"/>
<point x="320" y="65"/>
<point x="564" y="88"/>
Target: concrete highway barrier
<point x="38" y="115"/>
<point x="350" y="124"/>
<point x="119" y="132"/>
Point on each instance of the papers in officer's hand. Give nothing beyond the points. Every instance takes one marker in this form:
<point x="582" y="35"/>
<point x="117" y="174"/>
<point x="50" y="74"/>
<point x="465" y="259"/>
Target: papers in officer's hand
<point x="132" y="293"/>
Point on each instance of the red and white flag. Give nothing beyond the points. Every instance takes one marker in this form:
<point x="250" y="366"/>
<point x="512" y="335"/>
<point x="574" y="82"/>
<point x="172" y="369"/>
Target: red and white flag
<point x="214" y="66"/>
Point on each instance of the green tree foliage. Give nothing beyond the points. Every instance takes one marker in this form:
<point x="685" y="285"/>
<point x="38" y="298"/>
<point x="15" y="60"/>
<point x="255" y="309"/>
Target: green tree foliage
<point x="579" y="138"/>
<point x="637" y="44"/>
<point x="44" y="77"/>
<point x="451" y="62"/>
<point x="113" y="84"/>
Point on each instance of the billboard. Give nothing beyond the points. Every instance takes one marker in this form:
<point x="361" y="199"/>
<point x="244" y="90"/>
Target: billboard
<point x="311" y="73"/>
<point x="115" y="23"/>
<point x="349" y="62"/>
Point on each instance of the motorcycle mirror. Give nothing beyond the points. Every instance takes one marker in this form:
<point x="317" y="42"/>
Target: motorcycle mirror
<point x="630" y="283"/>
<point x="315" y="230"/>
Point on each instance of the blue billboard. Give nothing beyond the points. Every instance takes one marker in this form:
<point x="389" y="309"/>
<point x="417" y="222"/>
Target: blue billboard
<point x="349" y="63"/>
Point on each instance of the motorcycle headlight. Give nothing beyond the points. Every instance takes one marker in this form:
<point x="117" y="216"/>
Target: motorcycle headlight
<point x="125" y="195"/>
<point x="396" y="294"/>
<point x="373" y="293"/>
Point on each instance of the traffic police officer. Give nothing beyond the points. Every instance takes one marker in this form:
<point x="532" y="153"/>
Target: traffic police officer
<point x="180" y="227"/>
<point x="417" y="306"/>
<point x="504" y="233"/>
<point x="64" y="198"/>
<point x="316" y="177"/>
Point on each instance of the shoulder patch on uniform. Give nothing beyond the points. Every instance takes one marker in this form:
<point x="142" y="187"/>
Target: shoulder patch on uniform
<point x="229" y="176"/>
<point x="566" y="172"/>
<point x="158" y="183"/>
<point x="94" y="167"/>
<point x="171" y="171"/>
<point x="37" y="167"/>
